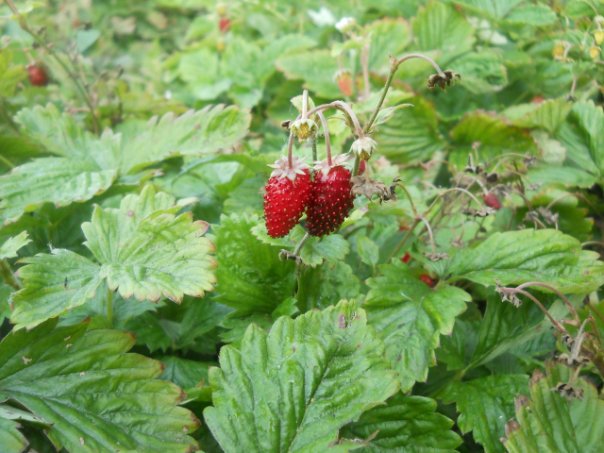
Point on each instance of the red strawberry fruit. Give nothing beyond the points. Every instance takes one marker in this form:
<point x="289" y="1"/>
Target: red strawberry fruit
<point x="406" y="258"/>
<point x="330" y="201"/>
<point x="287" y="193"/>
<point x="344" y="81"/>
<point x="491" y="200"/>
<point x="37" y="75"/>
<point x="427" y="280"/>
<point x="224" y="24"/>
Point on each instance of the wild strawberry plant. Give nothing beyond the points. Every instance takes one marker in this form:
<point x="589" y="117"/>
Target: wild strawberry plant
<point x="321" y="226"/>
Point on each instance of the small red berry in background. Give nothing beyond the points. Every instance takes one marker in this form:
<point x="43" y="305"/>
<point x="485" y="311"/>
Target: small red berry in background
<point x="406" y="258"/>
<point x="224" y="24"/>
<point x="37" y="75"/>
<point x="344" y="81"/>
<point x="537" y="99"/>
<point x="427" y="280"/>
<point x="491" y="200"/>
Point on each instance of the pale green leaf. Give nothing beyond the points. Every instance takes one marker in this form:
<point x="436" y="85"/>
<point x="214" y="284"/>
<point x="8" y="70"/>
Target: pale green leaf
<point x="536" y="15"/>
<point x="388" y="37"/>
<point x="406" y="424"/>
<point x="250" y="275"/>
<point x="328" y="248"/>
<point x="94" y="395"/>
<point x="193" y="133"/>
<point x="148" y="252"/>
<point x="438" y="26"/>
<point x="52" y="285"/>
<point x="410" y="317"/>
<point x="11" y="246"/>
<point x="294" y="388"/>
<point x="55" y="180"/>
<point x="548" y="115"/>
<point x="485" y="405"/>
<point x="516" y="257"/>
<point x="482" y="72"/>
<point x="548" y="422"/>
<point x="411" y="134"/>
<point x="317" y="68"/>
<point x="490" y="8"/>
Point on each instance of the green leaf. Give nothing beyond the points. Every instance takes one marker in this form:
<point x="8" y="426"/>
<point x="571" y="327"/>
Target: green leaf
<point x="190" y="375"/>
<point x="316" y="67"/>
<point x="147" y="251"/>
<point x="52" y="285"/>
<point x="388" y="37"/>
<point x="250" y="275"/>
<point x="495" y="9"/>
<point x="485" y="404"/>
<point x="294" y="388"/>
<point x="548" y="422"/>
<point x="11" y="246"/>
<point x="328" y="248"/>
<point x="439" y="26"/>
<point x="411" y="134"/>
<point x="193" y="133"/>
<point x="516" y="257"/>
<point x="94" y="395"/>
<point x="482" y="72"/>
<point x="11" y="439"/>
<point x="50" y="180"/>
<point x="406" y="424"/>
<point x="368" y="251"/>
<point x="10" y="74"/>
<point x="548" y="115"/>
<point x="410" y="317"/>
<point x="583" y="137"/>
<point x="535" y="15"/>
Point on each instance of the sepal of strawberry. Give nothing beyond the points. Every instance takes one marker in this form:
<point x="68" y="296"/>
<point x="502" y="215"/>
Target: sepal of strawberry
<point x="304" y="128"/>
<point x="363" y="147"/>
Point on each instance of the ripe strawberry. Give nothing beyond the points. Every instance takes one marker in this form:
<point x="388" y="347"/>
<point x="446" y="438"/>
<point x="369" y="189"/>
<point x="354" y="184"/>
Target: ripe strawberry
<point x="330" y="201"/>
<point x="37" y="75"/>
<point x="224" y="24"/>
<point x="428" y="280"/>
<point x="491" y="200"/>
<point x="286" y="195"/>
<point x="406" y="258"/>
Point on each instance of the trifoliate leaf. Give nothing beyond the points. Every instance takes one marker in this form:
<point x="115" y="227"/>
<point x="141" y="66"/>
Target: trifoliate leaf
<point x="52" y="285"/>
<point x="516" y="257"/>
<point x="251" y="277"/>
<point x="11" y="246"/>
<point x="294" y="388"/>
<point x="50" y="180"/>
<point x="406" y="424"/>
<point x="485" y="405"/>
<point x="548" y="422"/>
<point x="147" y="251"/>
<point x="94" y="396"/>
<point x="410" y="317"/>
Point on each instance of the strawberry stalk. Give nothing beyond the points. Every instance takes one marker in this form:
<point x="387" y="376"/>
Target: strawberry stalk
<point x="290" y="149"/>
<point x="394" y="65"/>
<point x="327" y="137"/>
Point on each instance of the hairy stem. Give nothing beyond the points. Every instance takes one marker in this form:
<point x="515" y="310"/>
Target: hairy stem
<point x="325" y="127"/>
<point x="8" y="276"/>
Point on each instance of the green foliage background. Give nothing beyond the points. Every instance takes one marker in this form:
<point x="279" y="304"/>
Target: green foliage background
<point x="145" y="308"/>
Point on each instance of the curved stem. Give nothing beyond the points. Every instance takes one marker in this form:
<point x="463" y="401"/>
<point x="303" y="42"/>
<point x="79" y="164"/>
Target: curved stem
<point x="325" y="127"/>
<point x="342" y="106"/>
<point x="564" y="299"/>
<point x="305" y="104"/>
<point x="432" y="243"/>
<point x="290" y="148"/>
<point x="394" y="65"/>
<point x="555" y="323"/>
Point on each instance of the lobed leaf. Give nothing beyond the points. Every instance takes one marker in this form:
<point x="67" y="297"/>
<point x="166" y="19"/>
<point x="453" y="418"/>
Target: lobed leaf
<point x="410" y="317"/>
<point x="94" y="395"/>
<point x="294" y="388"/>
